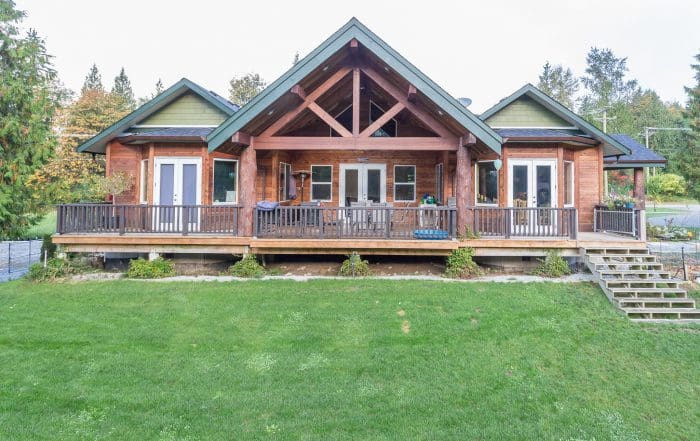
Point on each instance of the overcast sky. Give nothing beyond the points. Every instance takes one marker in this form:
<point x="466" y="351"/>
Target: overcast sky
<point x="484" y="50"/>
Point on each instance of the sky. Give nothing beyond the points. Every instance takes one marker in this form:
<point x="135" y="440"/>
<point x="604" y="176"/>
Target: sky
<point x="484" y="50"/>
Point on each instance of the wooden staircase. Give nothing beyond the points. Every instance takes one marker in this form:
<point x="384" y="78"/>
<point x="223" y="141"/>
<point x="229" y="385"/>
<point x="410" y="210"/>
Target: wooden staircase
<point x="636" y="283"/>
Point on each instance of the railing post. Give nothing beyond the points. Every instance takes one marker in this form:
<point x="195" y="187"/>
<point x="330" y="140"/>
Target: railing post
<point x="59" y="219"/>
<point x="255" y="222"/>
<point x="642" y="225"/>
<point x="508" y="222"/>
<point x="574" y="231"/>
<point x="185" y="219"/>
<point x="121" y="221"/>
<point x="387" y="220"/>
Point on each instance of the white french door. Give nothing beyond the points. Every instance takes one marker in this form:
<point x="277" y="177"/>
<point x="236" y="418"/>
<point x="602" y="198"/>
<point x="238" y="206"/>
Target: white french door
<point x="362" y="183"/>
<point x="177" y="181"/>
<point x="533" y="184"/>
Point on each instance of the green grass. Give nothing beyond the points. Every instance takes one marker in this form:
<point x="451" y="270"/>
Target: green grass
<point x="330" y="360"/>
<point x="47" y="225"/>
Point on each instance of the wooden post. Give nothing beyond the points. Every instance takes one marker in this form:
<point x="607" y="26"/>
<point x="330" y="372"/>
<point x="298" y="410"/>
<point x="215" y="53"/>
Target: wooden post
<point x="249" y="170"/>
<point x="639" y="187"/>
<point x="463" y="187"/>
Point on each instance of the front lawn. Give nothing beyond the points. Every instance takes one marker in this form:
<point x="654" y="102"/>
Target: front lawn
<point x="327" y="360"/>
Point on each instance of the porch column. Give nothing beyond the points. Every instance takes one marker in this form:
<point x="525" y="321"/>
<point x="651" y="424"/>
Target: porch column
<point x="463" y="187"/>
<point x="249" y="170"/>
<point x="638" y="192"/>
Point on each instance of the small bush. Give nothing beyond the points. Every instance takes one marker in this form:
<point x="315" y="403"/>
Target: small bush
<point x="247" y="267"/>
<point x="354" y="266"/>
<point x="460" y="264"/>
<point x="666" y="185"/>
<point x="48" y="246"/>
<point x="150" y="269"/>
<point x="55" y="269"/>
<point x="552" y="266"/>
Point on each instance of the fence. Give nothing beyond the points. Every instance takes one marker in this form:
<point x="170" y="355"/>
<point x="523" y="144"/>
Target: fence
<point x="682" y="259"/>
<point x="17" y="256"/>
<point x="623" y="221"/>
<point x="524" y="222"/>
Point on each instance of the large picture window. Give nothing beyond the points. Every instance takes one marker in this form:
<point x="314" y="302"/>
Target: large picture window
<point x="321" y="183"/>
<point x="285" y="174"/>
<point x="404" y="183"/>
<point x="486" y="183"/>
<point x="225" y="181"/>
<point x="568" y="184"/>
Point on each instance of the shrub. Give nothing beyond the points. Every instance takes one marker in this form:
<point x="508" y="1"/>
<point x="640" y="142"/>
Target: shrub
<point x="460" y="264"/>
<point x="354" y="266"/>
<point x="48" y="246"/>
<point x="55" y="269"/>
<point x="552" y="266"/>
<point x="150" y="269"/>
<point x="247" y="267"/>
<point x="666" y="184"/>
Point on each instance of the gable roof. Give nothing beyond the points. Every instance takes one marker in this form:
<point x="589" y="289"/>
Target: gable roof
<point x="640" y="156"/>
<point x="611" y="146"/>
<point x="305" y="66"/>
<point x="97" y="143"/>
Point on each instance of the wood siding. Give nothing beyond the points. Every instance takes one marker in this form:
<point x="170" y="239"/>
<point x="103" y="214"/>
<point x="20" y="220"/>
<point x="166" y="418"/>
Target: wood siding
<point x="526" y="112"/>
<point x="189" y="109"/>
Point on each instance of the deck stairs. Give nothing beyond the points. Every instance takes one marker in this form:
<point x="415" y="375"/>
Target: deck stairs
<point x="637" y="284"/>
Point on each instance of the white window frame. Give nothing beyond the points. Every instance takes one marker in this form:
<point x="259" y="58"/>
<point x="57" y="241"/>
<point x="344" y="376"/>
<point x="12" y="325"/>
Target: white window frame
<point x="330" y="183"/>
<point x="572" y="184"/>
<point x="285" y="181"/>
<point x="213" y="177"/>
<point x="476" y="184"/>
<point x="415" y="181"/>
<point x="143" y="182"/>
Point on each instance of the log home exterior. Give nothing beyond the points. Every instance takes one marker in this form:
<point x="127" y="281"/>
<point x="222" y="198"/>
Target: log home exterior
<point x="342" y="148"/>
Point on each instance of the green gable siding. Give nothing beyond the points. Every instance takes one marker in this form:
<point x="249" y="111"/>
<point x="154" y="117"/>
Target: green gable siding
<point x="525" y="112"/>
<point x="189" y="109"/>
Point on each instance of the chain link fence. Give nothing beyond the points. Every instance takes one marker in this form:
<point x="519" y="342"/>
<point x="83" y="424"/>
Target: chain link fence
<point x="17" y="256"/>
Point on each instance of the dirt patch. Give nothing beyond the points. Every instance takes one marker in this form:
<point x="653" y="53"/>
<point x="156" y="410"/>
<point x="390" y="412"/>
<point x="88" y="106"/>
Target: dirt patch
<point x="406" y="327"/>
<point x="379" y="265"/>
<point x="401" y="313"/>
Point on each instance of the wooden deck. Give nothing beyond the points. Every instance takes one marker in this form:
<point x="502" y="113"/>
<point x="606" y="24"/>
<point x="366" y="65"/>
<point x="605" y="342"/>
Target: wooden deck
<point x="225" y="244"/>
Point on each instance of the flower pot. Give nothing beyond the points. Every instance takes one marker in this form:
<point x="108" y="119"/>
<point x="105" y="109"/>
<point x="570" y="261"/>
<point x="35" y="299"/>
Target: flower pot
<point x="618" y="205"/>
<point x="629" y="205"/>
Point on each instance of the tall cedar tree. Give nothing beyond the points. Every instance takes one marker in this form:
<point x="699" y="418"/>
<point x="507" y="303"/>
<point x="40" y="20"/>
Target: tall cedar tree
<point x="244" y="88"/>
<point x="28" y="100"/>
<point x="689" y="166"/>
<point x="559" y="83"/>
<point x="93" y="80"/>
<point x="122" y="88"/>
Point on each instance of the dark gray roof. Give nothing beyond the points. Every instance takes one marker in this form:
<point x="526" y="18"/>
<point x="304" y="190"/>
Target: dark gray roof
<point x="224" y="101"/>
<point x="640" y="155"/>
<point x="539" y="133"/>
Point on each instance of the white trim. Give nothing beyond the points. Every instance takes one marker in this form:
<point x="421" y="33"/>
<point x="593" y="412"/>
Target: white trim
<point x="362" y="181"/>
<point x="171" y="126"/>
<point x="176" y="160"/>
<point x="143" y="185"/>
<point x="311" y="183"/>
<point x="531" y="164"/>
<point x="573" y="184"/>
<point x="213" y="179"/>
<point x="530" y="127"/>
<point x="476" y="185"/>
<point x="415" y="181"/>
<point x="286" y="181"/>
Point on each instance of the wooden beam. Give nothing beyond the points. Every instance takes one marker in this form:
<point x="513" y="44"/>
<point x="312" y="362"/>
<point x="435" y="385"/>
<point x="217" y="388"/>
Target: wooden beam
<point x="379" y="123"/>
<point x="355" y="100"/>
<point x="354" y="47"/>
<point x="299" y="91"/>
<point x="248" y="177"/>
<point x="469" y="139"/>
<point x="328" y="119"/>
<point x="400" y="96"/>
<point x="463" y="186"/>
<point x="241" y="138"/>
<point x="352" y="143"/>
<point x="311" y="97"/>
<point x="411" y="93"/>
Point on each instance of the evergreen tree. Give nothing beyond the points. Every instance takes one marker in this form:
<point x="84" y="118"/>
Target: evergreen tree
<point x="689" y="163"/>
<point x="606" y="83"/>
<point x="122" y="88"/>
<point x="159" y="88"/>
<point x="28" y="101"/>
<point x="93" y="80"/>
<point x="244" y="88"/>
<point x="559" y="83"/>
<point x="296" y="58"/>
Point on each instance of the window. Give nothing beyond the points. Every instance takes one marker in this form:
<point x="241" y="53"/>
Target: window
<point x="486" y="183"/>
<point x="568" y="184"/>
<point x="143" y="184"/>
<point x="404" y="183"/>
<point x="389" y="129"/>
<point x="439" y="179"/>
<point x="285" y="175"/>
<point x="321" y="182"/>
<point x="225" y="181"/>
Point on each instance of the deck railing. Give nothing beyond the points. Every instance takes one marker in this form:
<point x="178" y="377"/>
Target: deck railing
<point x="524" y="222"/>
<point x="174" y="219"/>
<point x="356" y="222"/>
<point x="626" y="221"/>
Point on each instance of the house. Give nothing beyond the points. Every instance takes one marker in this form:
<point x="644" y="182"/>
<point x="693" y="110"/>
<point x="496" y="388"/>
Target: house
<point x="343" y="149"/>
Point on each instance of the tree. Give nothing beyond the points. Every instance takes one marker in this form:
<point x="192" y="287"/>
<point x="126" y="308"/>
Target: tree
<point x="296" y="58"/>
<point x="559" y="83"/>
<point x="122" y="88"/>
<point x="689" y="166"/>
<point x="28" y="101"/>
<point x="93" y="80"/>
<point x="245" y="87"/>
<point x="159" y="88"/>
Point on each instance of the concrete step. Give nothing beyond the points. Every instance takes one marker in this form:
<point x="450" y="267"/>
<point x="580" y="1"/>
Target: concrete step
<point x="623" y="266"/>
<point x="645" y="273"/>
<point x="668" y="321"/>
<point x="617" y="251"/>
<point x="665" y="293"/>
<point x="649" y="283"/>
<point x="663" y="313"/>
<point x="653" y="302"/>
<point x="621" y="257"/>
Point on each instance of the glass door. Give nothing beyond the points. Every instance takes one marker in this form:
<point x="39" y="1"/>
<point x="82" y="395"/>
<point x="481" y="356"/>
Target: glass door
<point x="177" y="182"/>
<point x="533" y="185"/>
<point x="362" y="183"/>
